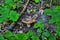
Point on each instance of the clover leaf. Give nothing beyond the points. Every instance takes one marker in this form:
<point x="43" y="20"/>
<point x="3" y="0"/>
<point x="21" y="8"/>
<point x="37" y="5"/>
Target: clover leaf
<point x="14" y="15"/>
<point x="39" y="24"/>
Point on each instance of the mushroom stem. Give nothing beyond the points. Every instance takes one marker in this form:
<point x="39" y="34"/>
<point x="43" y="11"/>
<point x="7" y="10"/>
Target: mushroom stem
<point x="28" y="25"/>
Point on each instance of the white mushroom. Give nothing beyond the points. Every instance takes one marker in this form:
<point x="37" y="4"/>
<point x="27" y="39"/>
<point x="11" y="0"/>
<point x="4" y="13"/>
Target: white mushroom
<point x="28" y="25"/>
<point x="28" y="20"/>
<point x="20" y="31"/>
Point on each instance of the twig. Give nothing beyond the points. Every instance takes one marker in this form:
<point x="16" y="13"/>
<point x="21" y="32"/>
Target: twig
<point x="25" y="6"/>
<point x="8" y="28"/>
<point x="50" y="2"/>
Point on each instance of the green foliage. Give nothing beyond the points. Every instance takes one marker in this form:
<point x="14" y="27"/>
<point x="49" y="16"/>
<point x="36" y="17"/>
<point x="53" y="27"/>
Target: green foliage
<point x="58" y="29"/>
<point x="13" y="15"/>
<point x="55" y="13"/>
<point x="35" y="37"/>
<point x="46" y="33"/>
<point x="55" y="18"/>
<point x="39" y="31"/>
<point x="26" y="36"/>
<point x="48" y="11"/>
<point x="36" y="1"/>
<point x="12" y="3"/>
<point x="21" y="1"/>
<point x="8" y="34"/>
<point x="52" y="37"/>
<point x="4" y="14"/>
<point x="29" y="34"/>
<point x="6" y="11"/>
<point x="23" y="36"/>
<point x="43" y="33"/>
<point x="19" y="36"/>
<point x="1" y="37"/>
<point x="56" y="9"/>
<point x="8" y="2"/>
<point x="43" y="37"/>
<point x="12" y="38"/>
<point x="39" y="24"/>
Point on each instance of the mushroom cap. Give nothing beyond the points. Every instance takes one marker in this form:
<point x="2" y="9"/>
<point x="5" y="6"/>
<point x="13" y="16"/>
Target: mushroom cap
<point x="29" y="21"/>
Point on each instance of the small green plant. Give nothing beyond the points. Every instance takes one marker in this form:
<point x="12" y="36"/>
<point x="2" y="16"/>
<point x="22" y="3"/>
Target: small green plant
<point x="36" y="1"/>
<point x="39" y="24"/>
<point x="35" y="37"/>
<point x="4" y="14"/>
<point x="43" y="33"/>
<point x="8" y="34"/>
<point x="19" y="36"/>
<point x="29" y="34"/>
<point x="55" y="13"/>
<point x="48" y="11"/>
<point x="1" y="37"/>
<point x="13" y="15"/>
<point x="52" y="37"/>
<point x="7" y="12"/>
